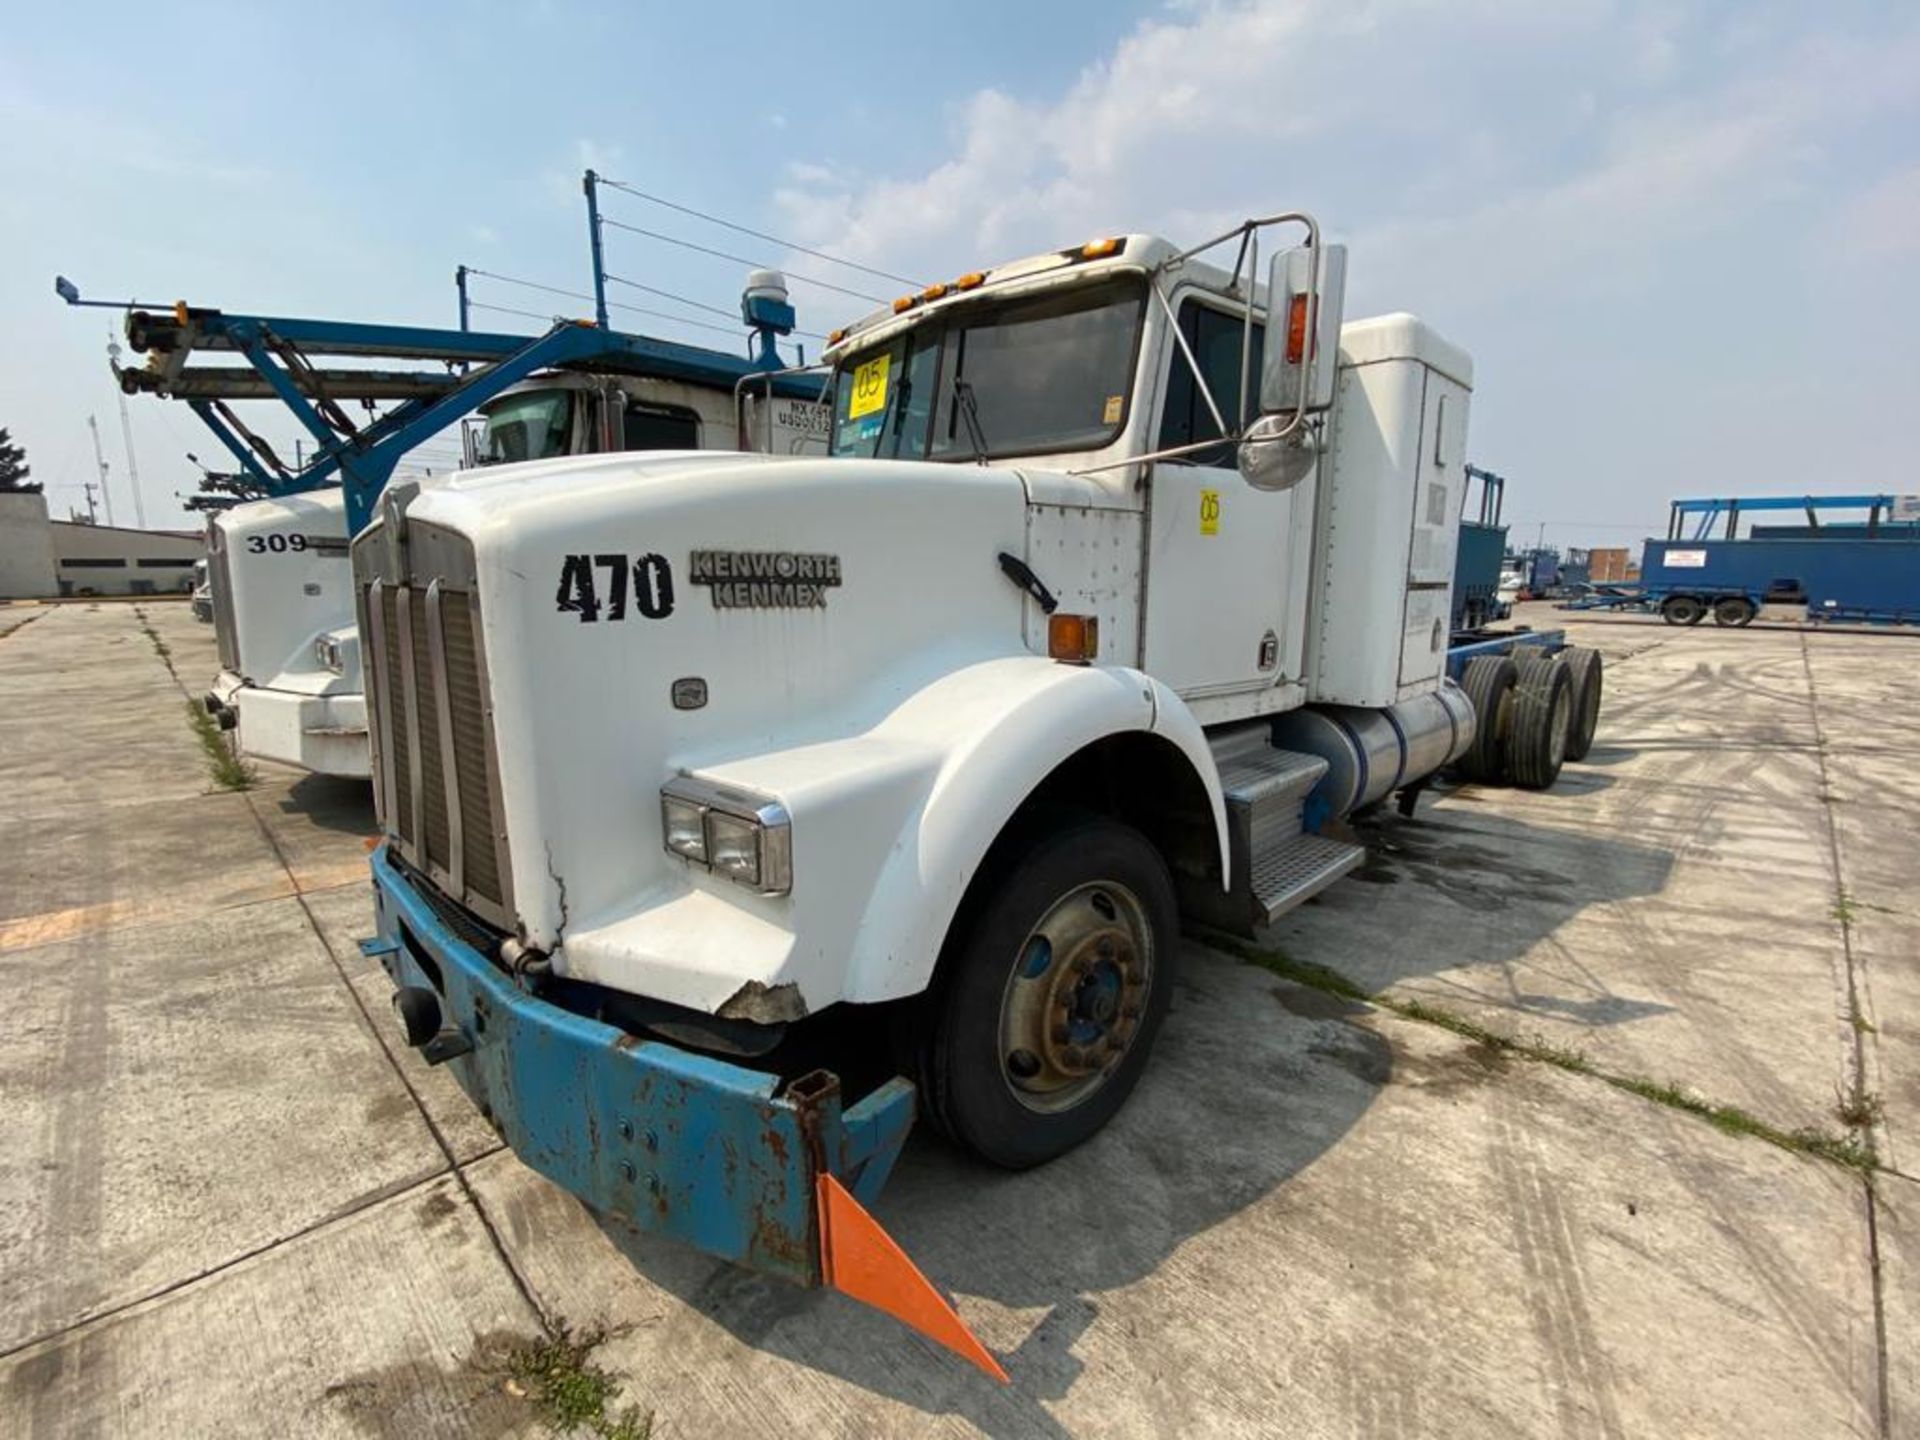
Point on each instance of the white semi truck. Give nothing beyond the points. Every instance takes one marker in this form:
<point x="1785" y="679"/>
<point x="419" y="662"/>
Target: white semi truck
<point x="739" y="808"/>
<point x="281" y="590"/>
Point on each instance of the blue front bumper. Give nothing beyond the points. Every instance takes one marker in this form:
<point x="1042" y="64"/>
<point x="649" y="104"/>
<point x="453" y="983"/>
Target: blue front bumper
<point x="671" y="1141"/>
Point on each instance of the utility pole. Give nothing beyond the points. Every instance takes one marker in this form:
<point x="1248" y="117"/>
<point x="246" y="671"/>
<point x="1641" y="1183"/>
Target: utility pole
<point x="87" y="485"/>
<point x="126" y="437"/>
<point x="100" y="459"/>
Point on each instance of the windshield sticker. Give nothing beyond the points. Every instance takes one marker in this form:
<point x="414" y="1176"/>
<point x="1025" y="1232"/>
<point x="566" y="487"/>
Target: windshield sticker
<point x="1111" y="415"/>
<point x="869" y="387"/>
<point x="1209" y="512"/>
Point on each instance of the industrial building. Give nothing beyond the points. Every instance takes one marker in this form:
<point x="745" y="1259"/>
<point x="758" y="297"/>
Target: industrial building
<point x="42" y="558"/>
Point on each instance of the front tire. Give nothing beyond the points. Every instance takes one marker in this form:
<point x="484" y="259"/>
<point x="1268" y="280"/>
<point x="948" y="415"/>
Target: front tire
<point x="1052" y="988"/>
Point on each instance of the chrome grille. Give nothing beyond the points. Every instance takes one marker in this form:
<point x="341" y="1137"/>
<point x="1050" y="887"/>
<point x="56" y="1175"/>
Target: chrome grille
<point x="220" y="582"/>
<point x="434" y="765"/>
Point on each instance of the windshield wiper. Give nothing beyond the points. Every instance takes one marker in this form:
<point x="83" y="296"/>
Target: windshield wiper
<point x="968" y="407"/>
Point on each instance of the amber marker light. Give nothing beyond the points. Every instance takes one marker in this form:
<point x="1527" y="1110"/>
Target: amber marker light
<point x="1074" y="639"/>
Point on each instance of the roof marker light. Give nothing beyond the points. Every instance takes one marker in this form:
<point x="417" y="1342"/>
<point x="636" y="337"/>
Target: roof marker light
<point x="973" y="279"/>
<point x="1095" y="249"/>
<point x="933" y="292"/>
<point x="905" y="303"/>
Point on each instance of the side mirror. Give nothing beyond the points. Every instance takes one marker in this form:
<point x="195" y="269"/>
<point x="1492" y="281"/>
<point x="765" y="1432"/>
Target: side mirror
<point x="1292" y="362"/>
<point x="1277" y="464"/>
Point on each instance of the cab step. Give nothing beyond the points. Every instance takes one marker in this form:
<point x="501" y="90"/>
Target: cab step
<point x="1277" y="862"/>
<point x="1298" y="869"/>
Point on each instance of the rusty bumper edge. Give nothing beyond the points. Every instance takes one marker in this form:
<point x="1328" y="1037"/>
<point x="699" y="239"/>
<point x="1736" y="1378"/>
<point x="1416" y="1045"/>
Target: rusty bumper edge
<point x="666" y="1139"/>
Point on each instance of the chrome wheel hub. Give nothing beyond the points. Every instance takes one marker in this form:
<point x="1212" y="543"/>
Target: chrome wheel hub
<point x="1076" y="995"/>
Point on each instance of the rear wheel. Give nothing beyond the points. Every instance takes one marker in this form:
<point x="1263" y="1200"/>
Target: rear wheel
<point x="1733" y="611"/>
<point x="1542" y="722"/>
<point x="1052" y="990"/>
<point x="1682" y="610"/>
<point x="1488" y="681"/>
<point x="1584" y="665"/>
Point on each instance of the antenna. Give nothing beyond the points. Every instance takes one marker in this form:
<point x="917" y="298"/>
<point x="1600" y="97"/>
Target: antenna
<point x="126" y="436"/>
<point x="89" y="487"/>
<point x="100" y="460"/>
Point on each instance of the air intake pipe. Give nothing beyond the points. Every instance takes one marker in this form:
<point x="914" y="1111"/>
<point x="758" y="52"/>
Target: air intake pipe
<point x="1372" y="753"/>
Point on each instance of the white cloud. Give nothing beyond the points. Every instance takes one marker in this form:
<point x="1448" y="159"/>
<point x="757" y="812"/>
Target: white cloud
<point x="602" y="157"/>
<point x="1526" y="144"/>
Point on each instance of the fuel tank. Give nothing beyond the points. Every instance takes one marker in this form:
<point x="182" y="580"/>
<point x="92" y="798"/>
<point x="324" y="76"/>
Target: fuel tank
<point x="1370" y="753"/>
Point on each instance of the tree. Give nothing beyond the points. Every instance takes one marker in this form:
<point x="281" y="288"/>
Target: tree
<point x="223" y="490"/>
<point x="13" y="467"/>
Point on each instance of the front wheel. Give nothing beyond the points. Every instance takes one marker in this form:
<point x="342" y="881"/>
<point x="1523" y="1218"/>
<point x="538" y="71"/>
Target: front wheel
<point x="1052" y="988"/>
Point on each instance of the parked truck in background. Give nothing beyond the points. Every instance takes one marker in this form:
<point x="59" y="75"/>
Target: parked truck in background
<point x="281" y="594"/>
<point x="737" y="808"/>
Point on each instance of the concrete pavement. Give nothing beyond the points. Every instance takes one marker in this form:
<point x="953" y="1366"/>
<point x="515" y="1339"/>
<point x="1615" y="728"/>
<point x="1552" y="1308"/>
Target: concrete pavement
<point x="234" y="1206"/>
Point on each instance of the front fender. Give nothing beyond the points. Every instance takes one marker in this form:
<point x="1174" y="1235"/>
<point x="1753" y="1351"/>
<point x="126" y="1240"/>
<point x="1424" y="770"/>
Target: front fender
<point x="894" y="828"/>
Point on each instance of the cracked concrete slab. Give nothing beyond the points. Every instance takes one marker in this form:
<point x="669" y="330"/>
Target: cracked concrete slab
<point x="1667" y="909"/>
<point x="368" y="1327"/>
<point x="177" y="1096"/>
<point x="1377" y="1228"/>
<point x="1313" y="1218"/>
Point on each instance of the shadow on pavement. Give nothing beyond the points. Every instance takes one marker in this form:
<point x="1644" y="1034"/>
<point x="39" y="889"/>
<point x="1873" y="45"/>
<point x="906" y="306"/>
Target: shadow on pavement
<point x="332" y="802"/>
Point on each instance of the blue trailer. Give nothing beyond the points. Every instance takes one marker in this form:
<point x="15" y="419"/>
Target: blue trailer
<point x="1868" y="571"/>
<point x="1479" y="556"/>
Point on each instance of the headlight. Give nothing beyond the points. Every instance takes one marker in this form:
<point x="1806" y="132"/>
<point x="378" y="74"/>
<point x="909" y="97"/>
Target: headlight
<point x="735" y="847"/>
<point x="684" y="824"/>
<point x="745" y="837"/>
<point x="326" y="650"/>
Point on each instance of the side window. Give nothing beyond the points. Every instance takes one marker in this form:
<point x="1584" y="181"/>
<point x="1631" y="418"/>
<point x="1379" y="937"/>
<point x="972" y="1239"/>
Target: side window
<point x="1215" y="337"/>
<point x="661" y="427"/>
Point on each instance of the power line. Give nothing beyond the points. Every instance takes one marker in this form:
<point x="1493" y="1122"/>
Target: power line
<point x="714" y="309"/>
<point x="740" y="260"/>
<point x="668" y="294"/>
<point x="759" y="234"/>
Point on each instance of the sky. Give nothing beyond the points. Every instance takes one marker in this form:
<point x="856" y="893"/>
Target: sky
<point x="1682" y="242"/>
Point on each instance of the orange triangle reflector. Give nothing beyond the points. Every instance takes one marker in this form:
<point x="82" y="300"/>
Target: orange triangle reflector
<point x="860" y="1259"/>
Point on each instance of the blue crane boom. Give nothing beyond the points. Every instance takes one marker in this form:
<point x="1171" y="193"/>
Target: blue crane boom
<point x="281" y="351"/>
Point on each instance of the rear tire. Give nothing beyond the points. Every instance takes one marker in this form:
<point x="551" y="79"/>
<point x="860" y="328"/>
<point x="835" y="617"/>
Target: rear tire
<point x="1682" y="610"/>
<point x="1542" y="723"/>
<point x="1488" y="681"/>
<point x="1585" y="667"/>
<point x="1052" y="987"/>
<point x="1733" y="611"/>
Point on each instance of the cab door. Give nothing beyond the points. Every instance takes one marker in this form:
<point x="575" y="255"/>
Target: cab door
<point x="1217" y="549"/>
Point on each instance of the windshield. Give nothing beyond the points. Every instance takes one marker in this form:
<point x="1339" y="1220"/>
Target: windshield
<point x="529" y="426"/>
<point x="1028" y="376"/>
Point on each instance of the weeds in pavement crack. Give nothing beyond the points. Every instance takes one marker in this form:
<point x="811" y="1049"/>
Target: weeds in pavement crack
<point x="229" y="771"/>
<point x="1858" y="1112"/>
<point x="557" y="1375"/>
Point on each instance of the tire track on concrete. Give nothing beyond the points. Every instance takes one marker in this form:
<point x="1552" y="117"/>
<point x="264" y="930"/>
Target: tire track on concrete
<point x="1855" y="1015"/>
<point x="1557" y="1293"/>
